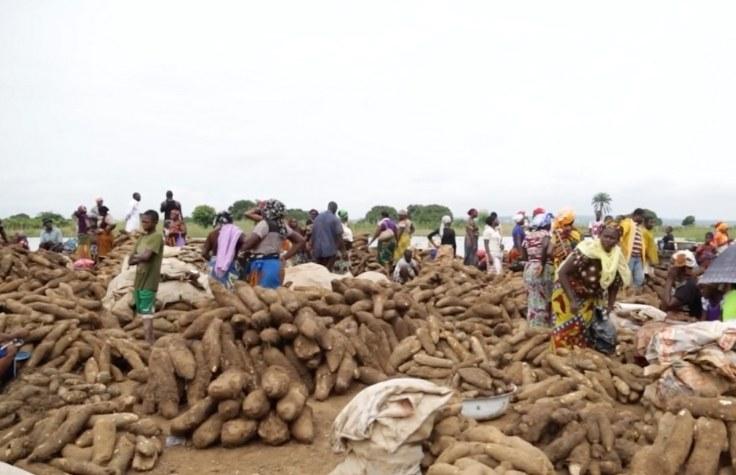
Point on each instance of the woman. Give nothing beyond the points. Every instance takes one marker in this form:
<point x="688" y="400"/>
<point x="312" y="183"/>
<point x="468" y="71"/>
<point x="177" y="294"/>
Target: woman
<point x="176" y="230"/>
<point x="538" y="271"/>
<point x="386" y="235"/>
<point x="104" y="232"/>
<point x="83" y="241"/>
<point x="342" y="264"/>
<point x="265" y="266"/>
<point x="564" y="237"/>
<point x="221" y="250"/>
<point x="493" y="245"/>
<point x="720" y="239"/>
<point x="471" y="238"/>
<point x="405" y="230"/>
<point x="447" y="249"/>
<point x="705" y="253"/>
<point x="596" y="269"/>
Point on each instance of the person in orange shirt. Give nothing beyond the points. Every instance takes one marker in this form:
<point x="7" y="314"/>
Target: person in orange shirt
<point x="721" y="240"/>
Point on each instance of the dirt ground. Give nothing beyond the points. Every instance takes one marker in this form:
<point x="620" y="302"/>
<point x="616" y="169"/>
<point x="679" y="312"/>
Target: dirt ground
<point x="259" y="459"/>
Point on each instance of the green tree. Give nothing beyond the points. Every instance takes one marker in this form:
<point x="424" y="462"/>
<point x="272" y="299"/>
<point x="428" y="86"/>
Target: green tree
<point x="57" y="219"/>
<point x="204" y="215"/>
<point x="18" y="217"/>
<point x="375" y="213"/>
<point x="298" y="214"/>
<point x="688" y="221"/>
<point x="428" y="214"/>
<point x="602" y="203"/>
<point x="238" y="208"/>
<point x="652" y="214"/>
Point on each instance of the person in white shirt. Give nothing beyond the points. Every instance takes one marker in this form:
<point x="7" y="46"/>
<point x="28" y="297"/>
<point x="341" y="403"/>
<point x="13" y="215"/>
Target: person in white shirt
<point x="406" y="268"/>
<point x="493" y="242"/>
<point x="132" y="216"/>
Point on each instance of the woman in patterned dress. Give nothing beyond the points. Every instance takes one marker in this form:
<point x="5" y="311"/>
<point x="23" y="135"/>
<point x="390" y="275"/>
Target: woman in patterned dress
<point x="564" y="237"/>
<point x="587" y="280"/>
<point x="538" y="271"/>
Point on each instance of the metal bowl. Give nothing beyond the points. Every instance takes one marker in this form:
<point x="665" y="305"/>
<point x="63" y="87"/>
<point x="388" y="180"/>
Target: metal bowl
<point x="486" y="408"/>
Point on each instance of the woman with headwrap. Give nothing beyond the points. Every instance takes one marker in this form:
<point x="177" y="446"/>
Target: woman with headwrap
<point x="342" y="263"/>
<point x="471" y="238"/>
<point x="538" y="273"/>
<point x="175" y="230"/>
<point x="588" y="279"/>
<point x="404" y="232"/>
<point x="493" y="244"/>
<point x="385" y="234"/>
<point x="83" y="240"/>
<point x="447" y="248"/>
<point x="221" y="249"/>
<point x="564" y="237"/>
<point x="721" y="240"/>
<point x="104" y="231"/>
<point x="265" y="266"/>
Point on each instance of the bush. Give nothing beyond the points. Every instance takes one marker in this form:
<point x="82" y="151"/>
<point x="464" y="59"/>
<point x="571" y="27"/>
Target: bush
<point x="239" y="208"/>
<point x="374" y="215"/>
<point x="688" y="221"/>
<point x="204" y="215"/>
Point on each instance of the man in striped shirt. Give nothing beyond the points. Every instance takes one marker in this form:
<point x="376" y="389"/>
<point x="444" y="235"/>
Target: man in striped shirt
<point x="634" y="246"/>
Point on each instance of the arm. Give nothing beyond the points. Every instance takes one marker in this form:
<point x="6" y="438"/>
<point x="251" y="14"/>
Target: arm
<point x="144" y="256"/>
<point x="545" y="248"/>
<point x="488" y="249"/>
<point x="337" y="230"/>
<point x="254" y="215"/>
<point x="375" y="235"/>
<point x="669" y="301"/>
<point x="430" y="237"/>
<point x="297" y="242"/>
<point x="248" y="243"/>
<point x="612" y="293"/>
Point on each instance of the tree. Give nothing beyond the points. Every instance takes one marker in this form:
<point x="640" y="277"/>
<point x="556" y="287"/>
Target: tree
<point x="688" y="221"/>
<point x="238" y="209"/>
<point x="204" y="215"/>
<point x="375" y="213"/>
<point x="57" y="219"/>
<point x="298" y="214"/>
<point x="602" y="203"/>
<point x="648" y="213"/>
<point x="428" y="214"/>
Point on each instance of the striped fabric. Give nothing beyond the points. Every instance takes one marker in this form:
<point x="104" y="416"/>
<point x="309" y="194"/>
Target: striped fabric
<point x="636" y="250"/>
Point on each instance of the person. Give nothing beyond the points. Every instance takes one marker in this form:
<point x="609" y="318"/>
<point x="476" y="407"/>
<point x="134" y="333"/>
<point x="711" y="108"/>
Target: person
<point x="681" y="291"/>
<point x="667" y="243"/>
<point x="471" y="238"/>
<point x="311" y="216"/>
<point x="302" y="256"/>
<point x="518" y="234"/>
<point x="265" y="265"/>
<point x="7" y="354"/>
<point x="385" y="234"/>
<point x="147" y="256"/>
<point x="51" y="238"/>
<point x="493" y="245"/>
<point x="712" y="300"/>
<point x="721" y="240"/>
<point x="564" y="237"/>
<point x="706" y="252"/>
<point x="637" y="247"/>
<point x="83" y="239"/>
<point x="404" y="232"/>
<point x="589" y="278"/>
<point x="94" y="212"/>
<point x="447" y="247"/>
<point x="728" y="306"/>
<point x="407" y="268"/>
<point x="104" y="232"/>
<point x="175" y="230"/>
<point x="221" y="249"/>
<point x="132" y="216"/>
<point x="347" y="233"/>
<point x="596" y="226"/>
<point x="3" y="236"/>
<point x="538" y="272"/>
<point x="21" y="240"/>
<point x="169" y="204"/>
<point x="326" y="237"/>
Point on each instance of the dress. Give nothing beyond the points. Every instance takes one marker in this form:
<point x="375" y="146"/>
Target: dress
<point x="495" y="242"/>
<point x="538" y="280"/>
<point x="386" y="241"/>
<point x="570" y="328"/>
<point x="562" y="245"/>
<point x="471" y="243"/>
<point x="404" y="229"/>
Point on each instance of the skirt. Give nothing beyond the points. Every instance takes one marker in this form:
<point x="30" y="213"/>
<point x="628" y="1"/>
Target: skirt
<point x="229" y="278"/>
<point x="471" y="249"/>
<point x="570" y="328"/>
<point x="266" y="272"/>
<point x="402" y="245"/>
<point x="386" y="251"/>
<point x="539" y="289"/>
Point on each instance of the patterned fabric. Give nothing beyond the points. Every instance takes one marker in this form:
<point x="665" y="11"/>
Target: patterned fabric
<point x="539" y="286"/>
<point x="636" y="250"/>
<point x="229" y="278"/>
<point x="274" y="211"/>
<point x="405" y="240"/>
<point x="386" y="251"/>
<point x="563" y="244"/>
<point x="533" y="244"/>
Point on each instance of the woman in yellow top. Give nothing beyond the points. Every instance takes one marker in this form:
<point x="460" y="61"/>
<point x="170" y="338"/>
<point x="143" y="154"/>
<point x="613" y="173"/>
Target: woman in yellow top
<point x="564" y="237"/>
<point x="404" y="232"/>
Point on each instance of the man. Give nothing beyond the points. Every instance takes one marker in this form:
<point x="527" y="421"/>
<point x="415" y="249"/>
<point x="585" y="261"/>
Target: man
<point x="668" y="241"/>
<point x="326" y="238"/>
<point x="51" y="238"/>
<point x="147" y="256"/>
<point x="132" y="217"/>
<point x="169" y="204"/>
<point x="636" y="246"/>
<point x="681" y="292"/>
<point x="94" y="213"/>
<point x="406" y="269"/>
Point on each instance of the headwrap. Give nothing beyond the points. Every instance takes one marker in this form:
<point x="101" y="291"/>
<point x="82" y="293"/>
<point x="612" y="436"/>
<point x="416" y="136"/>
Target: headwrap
<point x="343" y="214"/>
<point x="565" y="218"/>
<point x="612" y="262"/>
<point x="542" y="220"/>
<point x="472" y="212"/>
<point x="537" y="211"/>
<point x="446" y="221"/>
<point x="684" y="259"/>
<point x="722" y="227"/>
<point x="274" y="211"/>
<point x="223" y="217"/>
<point x="403" y="212"/>
<point x="519" y="217"/>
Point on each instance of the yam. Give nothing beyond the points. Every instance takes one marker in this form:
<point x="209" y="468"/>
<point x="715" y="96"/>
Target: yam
<point x="272" y="430"/>
<point x="710" y="441"/>
<point x="290" y="406"/>
<point x="324" y="382"/>
<point x="237" y="432"/>
<point x="404" y="351"/>
<point x="197" y="388"/>
<point x="345" y="374"/>
<point x="62" y="435"/>
<point x="73" y="451"/>
<point x="104" y="432"/>
<point x="166" y="388"/>
<point x="182" y="359"/>
<point x="256" y="404"/>
<point x="192" y="417"/>
<point x="248" y="296"/>
<point x="208" y="432"/>
<point x="679" y="443"/>
<point x="476" y="377"/>
<point x="723" y="408"/>
<point x="79" y="467"/>
<point x="275" y="382"/>
<point x="228" y="385"/>
<point x="572" y="435"/>
<point x="368" y="375"/>
<point x="302" y="429"/>
<point x="229" y="409"/>
<point x="211" y="345"/>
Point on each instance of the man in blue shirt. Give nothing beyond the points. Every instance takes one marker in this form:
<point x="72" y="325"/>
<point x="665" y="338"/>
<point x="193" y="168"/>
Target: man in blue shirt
<point x="326" y="239"/>
<point x="51" y="238"/>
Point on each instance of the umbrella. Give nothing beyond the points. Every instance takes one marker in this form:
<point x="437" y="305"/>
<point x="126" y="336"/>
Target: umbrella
<point x="722" y="270"/>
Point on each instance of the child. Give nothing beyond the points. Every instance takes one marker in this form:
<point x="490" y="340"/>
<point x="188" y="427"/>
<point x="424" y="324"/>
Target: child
<point x="147" y="256"/>
<point x="406" y="269"/>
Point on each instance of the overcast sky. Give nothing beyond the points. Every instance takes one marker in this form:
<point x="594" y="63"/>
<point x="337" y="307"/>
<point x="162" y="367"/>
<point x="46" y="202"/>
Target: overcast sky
<point x="495" y="105"/>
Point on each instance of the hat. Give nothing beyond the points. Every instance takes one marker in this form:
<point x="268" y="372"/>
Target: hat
<point x="537" y="211"/>
<point x="684" y="259"/>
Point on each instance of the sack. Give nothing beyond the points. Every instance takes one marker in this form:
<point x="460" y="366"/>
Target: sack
<point x="386" y="235"/>
<point x="601" y="333"/>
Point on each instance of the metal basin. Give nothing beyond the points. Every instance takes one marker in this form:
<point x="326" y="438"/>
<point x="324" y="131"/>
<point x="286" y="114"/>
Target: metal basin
<point x="486" y="408"/>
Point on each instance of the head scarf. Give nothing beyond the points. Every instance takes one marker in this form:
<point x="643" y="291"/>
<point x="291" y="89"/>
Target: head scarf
<point x="403" y="212"/>
<point x="565" y="218"/>
<point x="684" y="259"/>
<point x="472" y="212"/>
<point x="519" y="217"/>
<point x="274" y="211"/>
<point x="722" y="227"/>
<point x="612" y="262"/>
<point x="537" y="211"/>
<point x="541" y="220"/>
<point x="343" y="214"/>
<point x="446" y="221"/>
<point x="223" y="217"/>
